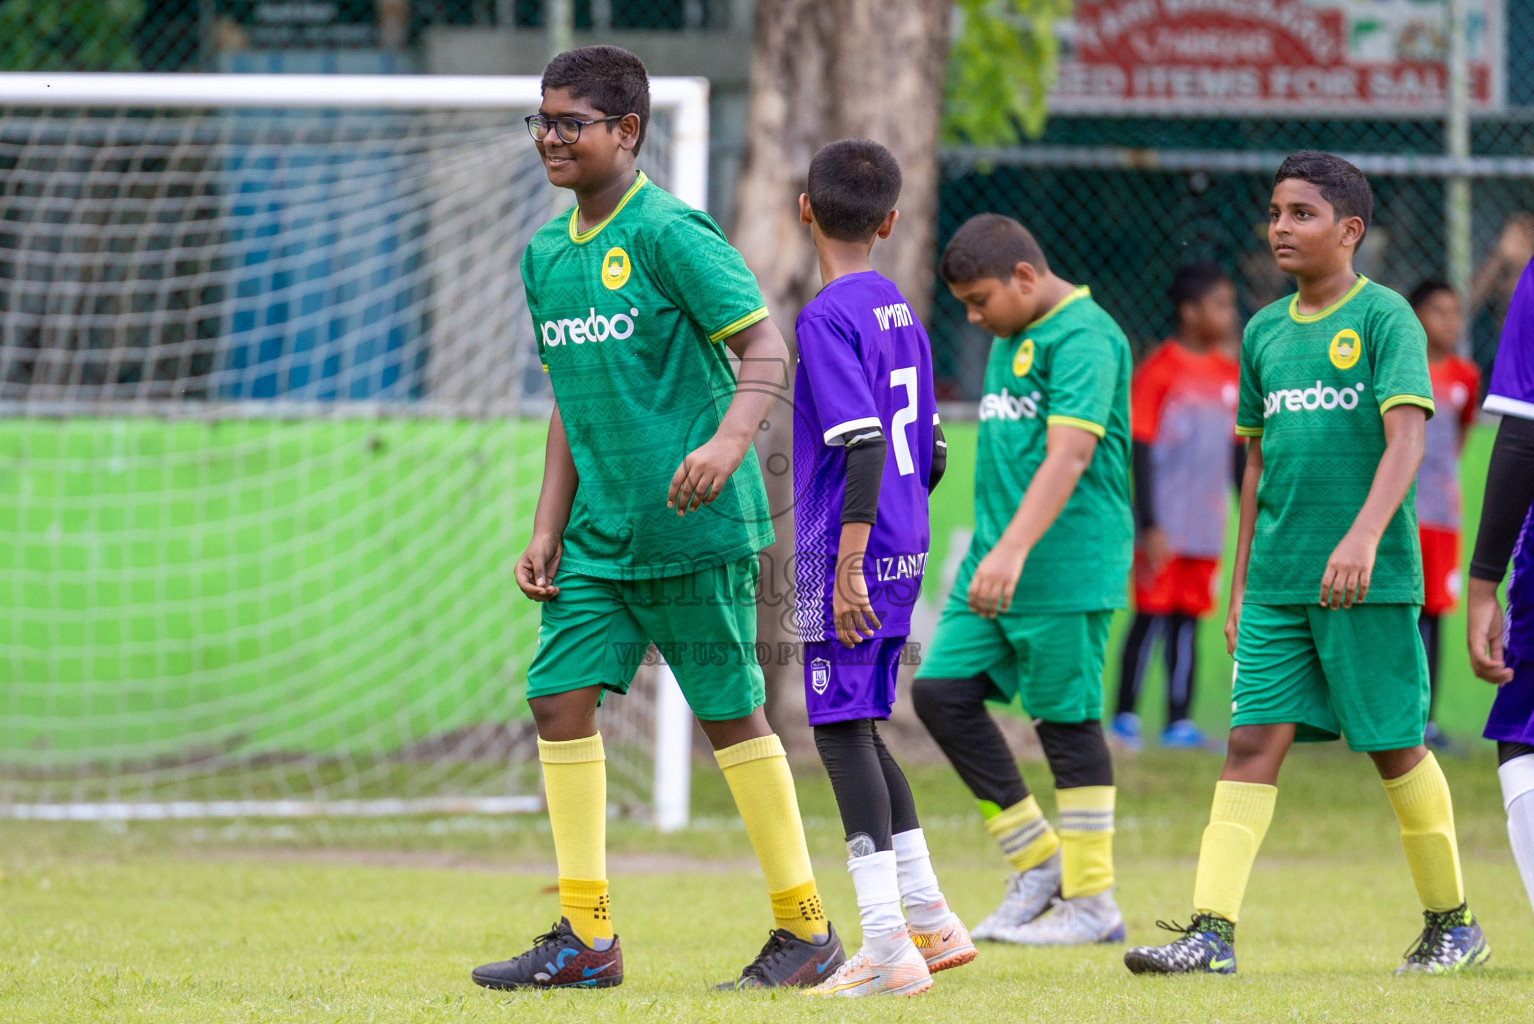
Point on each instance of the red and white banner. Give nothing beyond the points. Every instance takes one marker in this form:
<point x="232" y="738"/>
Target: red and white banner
<point x="1314" y="57"/>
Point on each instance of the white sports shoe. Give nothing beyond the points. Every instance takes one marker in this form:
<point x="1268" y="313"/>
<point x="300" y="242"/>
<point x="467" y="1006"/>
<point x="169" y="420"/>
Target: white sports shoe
<point x="1028" y="895"/>
<point x="1074" y="922"/>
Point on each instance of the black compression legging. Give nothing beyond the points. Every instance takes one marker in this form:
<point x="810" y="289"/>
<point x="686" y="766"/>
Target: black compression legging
<point x="871" y="790"/>
<point x="953" y="710"/>
<point x="1178" y="634"/>
<point x="1430" y="626"/>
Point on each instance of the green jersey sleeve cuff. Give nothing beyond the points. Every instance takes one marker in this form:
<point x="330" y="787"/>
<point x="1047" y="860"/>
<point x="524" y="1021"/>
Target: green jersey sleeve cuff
<point x="1095" y="429"/>
<point x="1242" y="431"/>
<point x="1392" y="402"/>
<point x="736" y="326"/>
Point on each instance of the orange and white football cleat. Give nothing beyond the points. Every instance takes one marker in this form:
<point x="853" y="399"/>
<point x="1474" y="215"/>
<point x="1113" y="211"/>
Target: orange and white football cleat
<point x="948" y="945"/>
<point x="905" y="974"/>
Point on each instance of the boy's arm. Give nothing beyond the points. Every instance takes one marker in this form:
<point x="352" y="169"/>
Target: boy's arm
<point x="1509" y="496"/>
<point x="1251" y="476"/>
<point x="939" y="464"/>
<point x="536" y="568"/>
<point x="852" y="610"/>
<point x="1346" y="579"/>
<point x="1068" y="451"/>
<point x="761" y="380"/>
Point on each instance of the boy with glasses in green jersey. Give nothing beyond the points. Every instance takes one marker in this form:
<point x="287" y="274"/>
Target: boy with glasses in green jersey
<point x="651" y="514"/>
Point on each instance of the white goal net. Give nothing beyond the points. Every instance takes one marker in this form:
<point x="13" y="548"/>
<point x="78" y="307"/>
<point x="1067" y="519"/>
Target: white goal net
<point x="271" y="432"/>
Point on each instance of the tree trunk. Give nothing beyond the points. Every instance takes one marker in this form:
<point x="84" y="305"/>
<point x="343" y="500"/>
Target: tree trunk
<point x="823" y="70"/>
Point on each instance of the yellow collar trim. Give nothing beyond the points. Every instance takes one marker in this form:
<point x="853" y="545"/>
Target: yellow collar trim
<point x="1310" y="318"/>
<point x="1080" y="292"/>
<point x="579" y="237"/>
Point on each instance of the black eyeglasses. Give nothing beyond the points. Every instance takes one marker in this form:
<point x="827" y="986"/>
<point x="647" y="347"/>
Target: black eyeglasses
<point x="569" y="128"/>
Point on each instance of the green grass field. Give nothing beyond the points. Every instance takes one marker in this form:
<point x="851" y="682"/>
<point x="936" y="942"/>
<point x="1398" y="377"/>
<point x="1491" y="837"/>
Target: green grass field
<point x="382" y="920"/>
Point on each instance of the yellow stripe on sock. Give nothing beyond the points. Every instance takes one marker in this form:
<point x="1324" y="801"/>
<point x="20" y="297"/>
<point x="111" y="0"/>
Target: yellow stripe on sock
<point x="799" y="911"/>
<point x="1238" y="822"/>
<point x="1086" y="839"/>
<point x="1426" y="813"/>
<point x="583" y="902"/>
<point x="1025" y="838"/>
<point x="757" y="773"/>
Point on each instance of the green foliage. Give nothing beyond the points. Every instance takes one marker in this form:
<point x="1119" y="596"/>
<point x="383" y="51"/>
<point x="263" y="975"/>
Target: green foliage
<point x="69" y="35"/>
<point x="1000" y="67"/>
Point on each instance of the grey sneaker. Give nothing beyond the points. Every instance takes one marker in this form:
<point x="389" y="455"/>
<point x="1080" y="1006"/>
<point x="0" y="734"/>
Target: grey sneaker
<point x="1075" y="922"/>
<point x="1028" y="895"/>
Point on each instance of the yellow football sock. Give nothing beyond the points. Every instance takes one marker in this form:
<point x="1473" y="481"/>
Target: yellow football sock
<point x="575" y="788"/>
<point x="1422" y="805"/>
<point x="1086" y="839"/>
<point x="1237" y="824"/>
<point x="758" y="776"/>
<point x="1025" y="838"/>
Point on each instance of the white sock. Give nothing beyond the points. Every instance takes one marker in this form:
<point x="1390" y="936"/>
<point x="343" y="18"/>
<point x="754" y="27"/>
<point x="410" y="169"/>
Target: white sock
<point x="924" y="904"/>
<point x="878" y="891"/>
<point x="1517" y="778"/>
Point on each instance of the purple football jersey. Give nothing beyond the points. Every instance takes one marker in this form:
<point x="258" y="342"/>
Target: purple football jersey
<point x="864" y="362"/>
<point x="1512" y="394"/>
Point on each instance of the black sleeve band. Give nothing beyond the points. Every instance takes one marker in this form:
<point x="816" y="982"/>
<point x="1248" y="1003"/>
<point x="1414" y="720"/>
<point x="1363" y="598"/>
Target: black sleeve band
<point x="939" y="457"/>
<point x="1509" y="492"/>
<point x="1140" y="464"/>
<point x="1240" y="464"/>
<point x="865" y="473"/>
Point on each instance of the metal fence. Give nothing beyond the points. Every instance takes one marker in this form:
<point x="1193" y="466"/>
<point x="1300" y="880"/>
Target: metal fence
<point x="1118" y="200"/>
<point x="200" y="35"/>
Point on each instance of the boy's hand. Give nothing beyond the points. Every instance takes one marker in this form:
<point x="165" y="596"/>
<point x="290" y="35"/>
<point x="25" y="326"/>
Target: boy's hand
<point x="995" y="580"/>
<point x="1346" y="579"/>
<point x="1232" y="624"/>
<point x="536" y="568"/>
<point x="851" y="610"/>
<point x="703" y="473"/>
<point x="1483" y="621"/>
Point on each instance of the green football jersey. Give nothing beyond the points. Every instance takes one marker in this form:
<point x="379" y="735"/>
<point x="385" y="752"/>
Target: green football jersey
<point x="1070" y="366"/>
<point x="630" y="317"/>
<point x="1315" y="388"/>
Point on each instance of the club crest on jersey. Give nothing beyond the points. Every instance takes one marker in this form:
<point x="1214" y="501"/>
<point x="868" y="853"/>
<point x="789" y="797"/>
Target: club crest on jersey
<point x="820" y="675"/>
<point x="615" y="269"/>
<point x="1022" y="362"/>
<point x="1346" y="347"/>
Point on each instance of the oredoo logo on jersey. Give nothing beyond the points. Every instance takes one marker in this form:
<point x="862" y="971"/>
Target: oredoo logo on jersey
<point x="1317" y="396"/>
<point x="1009" y="407"/>
<point x="594" y="327"/>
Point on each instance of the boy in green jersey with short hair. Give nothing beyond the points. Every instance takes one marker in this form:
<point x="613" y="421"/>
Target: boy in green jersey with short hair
<point x="1327" y="586"/>
<point x="1028" y="617"/>
<point x="651" y="514"/>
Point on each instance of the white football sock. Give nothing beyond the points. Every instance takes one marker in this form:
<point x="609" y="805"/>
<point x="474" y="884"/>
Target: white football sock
<point x="924" y="904"/>
<point x="878" y="891"/>
<point x="1517" y="778"/>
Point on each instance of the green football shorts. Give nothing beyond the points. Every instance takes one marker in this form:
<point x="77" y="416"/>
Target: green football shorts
<point x="596" y="633"/>
<point x="1358" y="673"/>
<point x="1053" y="661"/>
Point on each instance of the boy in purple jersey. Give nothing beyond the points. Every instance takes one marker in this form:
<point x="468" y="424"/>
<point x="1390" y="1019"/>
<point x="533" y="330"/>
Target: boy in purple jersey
<point x="867" y="451"/>
<point x="1502" y="650"/>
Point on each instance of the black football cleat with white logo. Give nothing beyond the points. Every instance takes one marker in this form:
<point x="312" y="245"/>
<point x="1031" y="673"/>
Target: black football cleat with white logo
<point x="558" y="959"/>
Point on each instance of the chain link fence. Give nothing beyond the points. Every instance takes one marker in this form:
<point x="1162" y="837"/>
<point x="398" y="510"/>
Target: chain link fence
<point x="203" y="35"/>
<point x="1120" y="201"/>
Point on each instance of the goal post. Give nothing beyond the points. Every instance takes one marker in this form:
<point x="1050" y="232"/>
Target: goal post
<point x="271" y="426"/>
